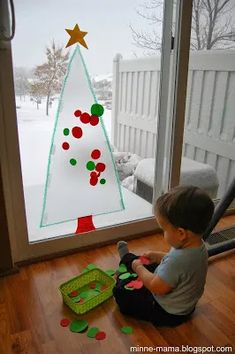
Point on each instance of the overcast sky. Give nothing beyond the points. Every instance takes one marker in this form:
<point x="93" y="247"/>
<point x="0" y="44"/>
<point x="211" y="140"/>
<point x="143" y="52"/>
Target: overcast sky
<point x="106" y="21"/>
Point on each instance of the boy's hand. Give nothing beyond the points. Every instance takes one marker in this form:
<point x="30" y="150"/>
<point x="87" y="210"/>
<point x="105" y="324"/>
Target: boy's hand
<point x="154" y="257"/>
<point x="135" y="264"/>
<point x="151" y="281"/>
<point x="151" y="255"/>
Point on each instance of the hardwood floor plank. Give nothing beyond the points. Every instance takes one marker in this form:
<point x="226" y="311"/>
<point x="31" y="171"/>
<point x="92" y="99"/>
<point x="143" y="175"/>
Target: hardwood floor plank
<point x="22" y="343"/>
<point x="224" y="323"/>
<point x="213" y="333"/>
<point x="5" y="343"/>
<point x="194" y="336"/>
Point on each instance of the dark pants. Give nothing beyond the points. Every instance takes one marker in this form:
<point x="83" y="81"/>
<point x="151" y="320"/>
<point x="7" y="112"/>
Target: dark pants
<point x="140" y="303"/>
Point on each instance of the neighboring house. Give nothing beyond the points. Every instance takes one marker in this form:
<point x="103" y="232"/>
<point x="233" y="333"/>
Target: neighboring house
<point x="103" y="87"/>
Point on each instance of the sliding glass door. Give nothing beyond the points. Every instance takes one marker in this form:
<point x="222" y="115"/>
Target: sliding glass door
<point x="92" y="124"/>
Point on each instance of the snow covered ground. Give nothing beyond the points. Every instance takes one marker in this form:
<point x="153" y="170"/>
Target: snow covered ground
<point x="35" y="132"/>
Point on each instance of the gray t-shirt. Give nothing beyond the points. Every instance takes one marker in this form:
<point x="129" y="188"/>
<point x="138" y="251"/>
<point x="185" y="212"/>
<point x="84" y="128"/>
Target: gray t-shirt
<point x="185" y="270"/>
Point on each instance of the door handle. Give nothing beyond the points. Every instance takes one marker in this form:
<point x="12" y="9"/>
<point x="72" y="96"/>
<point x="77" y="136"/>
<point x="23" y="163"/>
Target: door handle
<point x="5" y="33"/>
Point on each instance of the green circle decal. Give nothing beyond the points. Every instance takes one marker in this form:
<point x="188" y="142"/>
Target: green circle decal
<point x="127" y="329"/>
<point x="97" y="109"/>
<point x="73" y="162"/>
<point x="78" y="326"/>
<point x="66" y="131"/>
<point x="90" y="165"/>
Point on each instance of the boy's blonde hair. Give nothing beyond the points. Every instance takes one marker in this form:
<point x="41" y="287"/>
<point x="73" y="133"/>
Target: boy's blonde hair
<point x="188" y="207"/>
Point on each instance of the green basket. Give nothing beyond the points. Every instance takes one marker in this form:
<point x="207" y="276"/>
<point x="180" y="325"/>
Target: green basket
<point x="80" y="283"/>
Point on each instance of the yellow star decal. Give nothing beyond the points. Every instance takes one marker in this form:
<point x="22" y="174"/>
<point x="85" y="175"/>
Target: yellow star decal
<point x="76" y="35"/>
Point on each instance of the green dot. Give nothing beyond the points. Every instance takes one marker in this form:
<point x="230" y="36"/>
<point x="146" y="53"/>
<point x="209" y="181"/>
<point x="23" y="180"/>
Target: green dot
<point x="66" y="131"/>
<point x="134" y="275"/>
<point x="98" y="287"/>
<point x="91" y="266"/>
<point x="122" y="268"/>
<point x="92" y="332"/>
<point x="76" y="299"/>
<point x="127" y="329"/>
<point x="126" y="287"/>
<point x="103" y="181"/>
<point x="125" y="276"/>
<point x="84" y="294"/>
<point x="97" y="110"/>
<point x="90" y="165"/>
<point x="78" y="326"/>
<point x="73" y="162"/>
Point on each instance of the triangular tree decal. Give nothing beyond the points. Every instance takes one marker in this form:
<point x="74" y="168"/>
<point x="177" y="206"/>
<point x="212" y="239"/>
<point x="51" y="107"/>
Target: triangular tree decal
<point x="81" y="180"/>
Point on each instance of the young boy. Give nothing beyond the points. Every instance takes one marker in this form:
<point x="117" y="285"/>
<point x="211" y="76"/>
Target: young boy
<point x="173" y="282"/>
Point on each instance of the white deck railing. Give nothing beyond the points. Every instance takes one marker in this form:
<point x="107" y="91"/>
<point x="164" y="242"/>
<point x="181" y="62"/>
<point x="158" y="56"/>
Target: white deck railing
<point x="210" y="109"/>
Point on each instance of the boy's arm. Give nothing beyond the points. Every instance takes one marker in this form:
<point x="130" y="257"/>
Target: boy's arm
<point x="151" y="281"/>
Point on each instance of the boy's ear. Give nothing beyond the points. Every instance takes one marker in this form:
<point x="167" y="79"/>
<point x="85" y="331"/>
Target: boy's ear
<point x="182" y="233"/>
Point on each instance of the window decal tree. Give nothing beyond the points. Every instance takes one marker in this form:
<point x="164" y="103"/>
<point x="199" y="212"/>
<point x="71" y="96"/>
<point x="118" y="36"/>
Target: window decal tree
<point x="81" y="180"/>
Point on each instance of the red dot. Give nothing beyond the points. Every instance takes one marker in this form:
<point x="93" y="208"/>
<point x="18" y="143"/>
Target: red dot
<point x="100" y="335"/>
<point x="93" y="174"/>
<point x="100" y="167"/>
<point x="95" y="154"/>
<point x="73" y="293"/>
<point x="94" y="120"/>
<point x="79" y="300"/>
<point x="65" y="146"/>
<point x="64" y="322"/>
<point x="77" y="113"/>
<point x="93" y="286"/>
<point x="104" y="287"/>
<point x="93" y="181"/>
<point x="77" y="132"/>
<point x="85" y="118"/>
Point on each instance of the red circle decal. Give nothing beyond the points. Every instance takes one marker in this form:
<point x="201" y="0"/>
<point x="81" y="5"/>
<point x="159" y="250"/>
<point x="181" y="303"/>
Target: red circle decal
<point x="94" y="120"/>
<point x="95" y="154"/>
<point x="65" y="146"/>
<point x="77" y="132"/>
<point x="100" y="167"/>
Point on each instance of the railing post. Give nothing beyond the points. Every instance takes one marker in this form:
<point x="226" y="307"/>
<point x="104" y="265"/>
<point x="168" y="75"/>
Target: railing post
<point x="115" y="99"/>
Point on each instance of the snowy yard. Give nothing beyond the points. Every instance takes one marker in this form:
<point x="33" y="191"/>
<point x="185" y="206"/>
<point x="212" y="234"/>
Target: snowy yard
<point x="35" y="132"/>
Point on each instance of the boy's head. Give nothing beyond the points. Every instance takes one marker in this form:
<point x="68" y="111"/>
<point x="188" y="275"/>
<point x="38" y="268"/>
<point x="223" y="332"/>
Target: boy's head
<point x="185" y="208"/>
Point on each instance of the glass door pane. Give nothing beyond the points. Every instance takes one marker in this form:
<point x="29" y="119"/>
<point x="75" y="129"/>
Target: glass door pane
<point x="208" y="158"/>
<point x="126" y="85"/>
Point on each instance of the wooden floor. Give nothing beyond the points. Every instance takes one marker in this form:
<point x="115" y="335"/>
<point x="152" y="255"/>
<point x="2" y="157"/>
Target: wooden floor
<point x="31" y="308"/>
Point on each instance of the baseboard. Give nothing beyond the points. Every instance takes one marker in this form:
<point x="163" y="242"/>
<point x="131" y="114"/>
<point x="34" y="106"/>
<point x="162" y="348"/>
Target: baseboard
<point x="4" y="273"/>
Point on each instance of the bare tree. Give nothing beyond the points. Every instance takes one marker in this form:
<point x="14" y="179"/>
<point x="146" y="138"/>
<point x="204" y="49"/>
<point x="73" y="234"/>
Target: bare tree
<point x="48" y="76"/>
<point x="36" y="92"/>
<point x="212" y="25"/>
